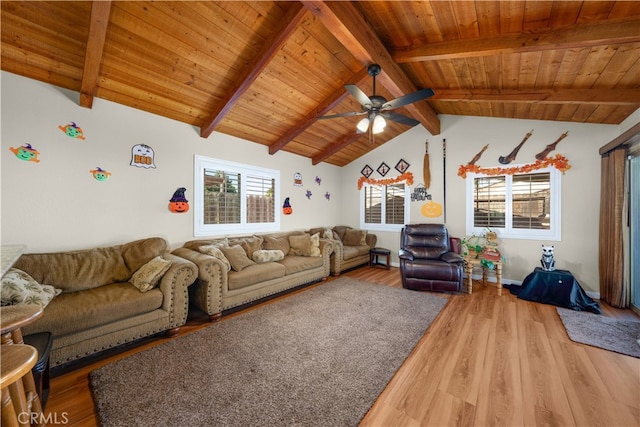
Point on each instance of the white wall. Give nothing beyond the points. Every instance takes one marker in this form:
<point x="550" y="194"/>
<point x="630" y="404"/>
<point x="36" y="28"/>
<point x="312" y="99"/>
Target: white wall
<point x="56" y="204"/>
<point x="465" y="136"/>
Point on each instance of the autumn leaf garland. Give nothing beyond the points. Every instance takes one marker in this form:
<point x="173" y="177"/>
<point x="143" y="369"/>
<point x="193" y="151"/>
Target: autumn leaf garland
<point x="407" y="176"/>
<point x="558" y="161"/>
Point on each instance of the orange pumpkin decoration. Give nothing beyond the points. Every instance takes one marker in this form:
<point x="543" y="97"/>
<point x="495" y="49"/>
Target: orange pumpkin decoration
<point x="178" y="203"/>
<point x="286" y="207"/>
<point x="431" y="209"/>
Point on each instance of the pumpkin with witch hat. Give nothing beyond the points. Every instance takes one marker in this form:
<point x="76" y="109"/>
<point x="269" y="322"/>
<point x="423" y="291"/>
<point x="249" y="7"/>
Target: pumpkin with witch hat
<point x="178" y="203"/>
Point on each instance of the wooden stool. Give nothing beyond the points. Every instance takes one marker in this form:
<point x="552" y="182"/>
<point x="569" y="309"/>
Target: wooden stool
<point x="378" y="252"/>
<point x="17" y="408"/>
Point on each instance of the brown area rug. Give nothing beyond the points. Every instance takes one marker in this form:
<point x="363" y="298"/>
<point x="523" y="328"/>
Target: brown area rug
<point x="621" y="336"/>
<point x="317" y="358"/>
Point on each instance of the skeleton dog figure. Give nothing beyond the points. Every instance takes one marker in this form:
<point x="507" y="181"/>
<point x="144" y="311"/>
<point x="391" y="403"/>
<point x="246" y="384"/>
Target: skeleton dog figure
<point x="547" y="261"/>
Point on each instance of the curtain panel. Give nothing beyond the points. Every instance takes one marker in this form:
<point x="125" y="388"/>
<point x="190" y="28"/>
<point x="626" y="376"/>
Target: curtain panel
<point x="614" y="286"/>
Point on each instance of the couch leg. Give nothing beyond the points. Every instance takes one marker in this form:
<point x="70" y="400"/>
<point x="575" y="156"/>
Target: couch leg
<point x="173" y="332"/>
<point x="215" y="317"/>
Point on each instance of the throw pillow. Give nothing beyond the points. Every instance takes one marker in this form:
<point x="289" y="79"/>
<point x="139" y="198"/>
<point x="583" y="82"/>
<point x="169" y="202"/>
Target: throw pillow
<point x="355" y="238"/>
<point x="327" y="233"/>
<point x="148" y="276"/>
<point x="277" y="243"/>
<point x="300" y="245"/>
<point x="214" y="251"/>
<point x="265" y="255"/>
<point x="19" y="287"/>
<point x="314" y="245"/>
<point x="237" y="257"/>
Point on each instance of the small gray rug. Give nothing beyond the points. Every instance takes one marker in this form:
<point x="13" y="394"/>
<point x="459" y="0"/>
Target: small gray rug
<point x="317" y="358"/>
<point x="621" y="336"/>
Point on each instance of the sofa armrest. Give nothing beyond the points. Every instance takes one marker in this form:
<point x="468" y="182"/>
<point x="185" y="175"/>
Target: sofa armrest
<point x="405" y="255"/>
<point x="371" y="240"/>
<point x="174" y="284"/>
<point x="211" y="278"/>
<point x="451" y="257"/>
<point x="327" y="248"/>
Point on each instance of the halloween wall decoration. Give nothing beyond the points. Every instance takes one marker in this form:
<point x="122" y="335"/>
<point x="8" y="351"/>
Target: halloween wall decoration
<point x="512" y="156"/>
<point x="558" y="161"/>
<point x="327" y="196"/>
<point x="406" y="177"/>
<point x="402" y="166"/>
<point x="549" y="148"/>
<point x="26" y="153"/>
<point x="318" y="180"/>
<point x="142" y="156"/>
<point x="297" y="179"/>
<point x="178" y="203"/>
<point x="383" y="169"/>
<point x="308" y="194"/>
<point x="420" y="194"/>
<point x="286" y="208"/>
<point x="72" y="130"/>
<point x="431" y="209"/>
<point x="366" y="171"/>
<point x="477" y="156"/>
<point x="100" y="174"/>
<point x="426" y="169"/>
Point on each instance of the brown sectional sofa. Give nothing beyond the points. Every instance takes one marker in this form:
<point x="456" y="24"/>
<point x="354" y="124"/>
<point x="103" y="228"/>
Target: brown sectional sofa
<point x="98" y="308"/>
<point x="220" y="288"/>
<point x="349" y="248"/>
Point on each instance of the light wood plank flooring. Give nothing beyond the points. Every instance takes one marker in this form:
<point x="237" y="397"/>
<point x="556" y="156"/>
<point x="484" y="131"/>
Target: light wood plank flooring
<point x="486" y="360"/>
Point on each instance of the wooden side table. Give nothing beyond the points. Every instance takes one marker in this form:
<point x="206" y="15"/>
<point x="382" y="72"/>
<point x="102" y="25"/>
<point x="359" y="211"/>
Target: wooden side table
<point x="469" y="263"/>
<point x="17" y="400"/>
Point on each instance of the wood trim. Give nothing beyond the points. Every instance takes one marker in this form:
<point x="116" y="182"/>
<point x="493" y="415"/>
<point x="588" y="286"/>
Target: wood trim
<point x="624" y="139"/>
<point x="343" y="142"/>
<point x="100" y="11"/>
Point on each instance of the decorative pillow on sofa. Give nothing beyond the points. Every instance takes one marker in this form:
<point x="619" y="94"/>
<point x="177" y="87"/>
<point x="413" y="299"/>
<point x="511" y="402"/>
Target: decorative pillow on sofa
<point x="314" y="245"/>
<point x="148" y="276"/>
<point x="355" y="238"/>
<point x="214" y="251"/>
<point x="300" y="245"/>
<point x="277" y="243"/>
<point x="20" y="288"/>
<point x="249" y="244"/>
<point x="267" y="255"/>
<point x="237" y="257"/>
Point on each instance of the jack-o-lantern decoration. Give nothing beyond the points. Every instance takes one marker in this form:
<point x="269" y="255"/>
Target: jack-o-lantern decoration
<point x="178" y="203"/>
<point x="431" y="209"/>
<point x="286" y="208"/>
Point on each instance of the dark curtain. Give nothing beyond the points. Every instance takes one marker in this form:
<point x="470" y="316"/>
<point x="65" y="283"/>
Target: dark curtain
<point x="613" y="288"/>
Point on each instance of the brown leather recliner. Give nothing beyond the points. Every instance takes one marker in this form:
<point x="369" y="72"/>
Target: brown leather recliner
<point x="426" y="260"/>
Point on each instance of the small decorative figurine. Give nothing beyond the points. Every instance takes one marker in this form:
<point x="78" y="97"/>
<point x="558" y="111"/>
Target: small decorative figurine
<point x="547" y="260"/>
<point x="178" y="203"/>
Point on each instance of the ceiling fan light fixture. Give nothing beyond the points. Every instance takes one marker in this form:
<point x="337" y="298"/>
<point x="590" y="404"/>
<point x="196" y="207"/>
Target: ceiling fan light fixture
<point x="379" y="124"/>
<point x="363" y="125"/>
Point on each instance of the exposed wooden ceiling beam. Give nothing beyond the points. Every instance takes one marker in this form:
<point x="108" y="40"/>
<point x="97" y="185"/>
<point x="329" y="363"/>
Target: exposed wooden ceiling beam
<point x="342" y="143"/>
<point x="251" y="72"/>
<point x="323" y="108"/>
<point x="100" y="11"/>
<point x="542" y="96"/>
<point x="350" y="28"/>
<point x="574" y="36"/>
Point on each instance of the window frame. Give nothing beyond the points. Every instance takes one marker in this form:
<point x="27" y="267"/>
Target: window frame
<point x="201" y="229"/>
<point x="508" y="232"/>
<point x="383" y="226"/>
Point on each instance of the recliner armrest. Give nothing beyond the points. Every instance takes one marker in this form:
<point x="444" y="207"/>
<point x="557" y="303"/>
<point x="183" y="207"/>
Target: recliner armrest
<point x="404" y="254"/>
<point x="451" y="257"/>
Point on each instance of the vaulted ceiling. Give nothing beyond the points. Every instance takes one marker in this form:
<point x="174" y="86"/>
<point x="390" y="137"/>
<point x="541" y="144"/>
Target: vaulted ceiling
<point x="265" y="71"/>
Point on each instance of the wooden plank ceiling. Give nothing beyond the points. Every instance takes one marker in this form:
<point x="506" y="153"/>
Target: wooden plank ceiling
<point x="265" y="70"/>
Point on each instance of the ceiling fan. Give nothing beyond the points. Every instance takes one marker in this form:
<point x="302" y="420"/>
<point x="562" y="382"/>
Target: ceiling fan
<point x="377" y="108"/>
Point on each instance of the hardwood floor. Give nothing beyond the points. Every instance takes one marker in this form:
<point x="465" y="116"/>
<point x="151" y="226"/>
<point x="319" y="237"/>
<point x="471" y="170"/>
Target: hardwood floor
<point x="486" y="360"/>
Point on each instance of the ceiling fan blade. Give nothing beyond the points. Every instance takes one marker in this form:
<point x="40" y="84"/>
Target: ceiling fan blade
<point x="400" y="118"/>
<point x="359" y="95"/>
<point x="352" y="113"/>
<point x="407" y="99"/>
